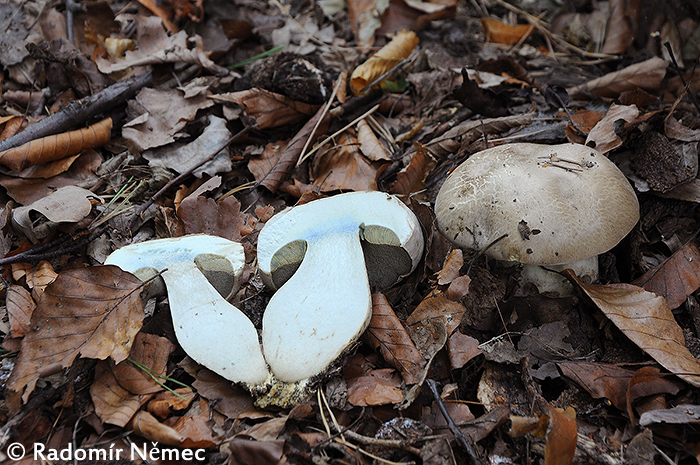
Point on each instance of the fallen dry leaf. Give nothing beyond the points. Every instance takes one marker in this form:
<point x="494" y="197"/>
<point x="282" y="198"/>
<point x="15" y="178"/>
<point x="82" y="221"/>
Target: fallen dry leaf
<point x="604" y="136"/>
<point x="561" y="438"/>
<point x="20" y="307"/>
<point x="68" y="204"/>
<point x="676" y="278"/>
<point x="647" y="321"/>
<point x="182" y="157"/>
<point x="648" y="381"/>
<point x="202" y="215"/>
<point x="37" y="277"/>
<point x="164" y="403"/>
<point x="501" y="33"/>
<point x="450" y="270"/>
<point x="268" y="109"/>
<point x="412" y="177"/>
<point x="163" y="115"/>
<point x="384" y="60"/>
<point x="600" y="380"/>
<point x="619" y="34"/>
<point x="93" y="313"/>
<point x="56" y="147"/>
<point x="342" y="167"/>
<point x="646" y="75"/>
<point x="386" y="333"/>
<point x="367" y="386"/>
<point x="432" y="322"/>
<point x="113" y="403"/>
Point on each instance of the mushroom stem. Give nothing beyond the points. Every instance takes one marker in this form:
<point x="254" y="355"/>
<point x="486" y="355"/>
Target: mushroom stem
<point x="335" y="311"/>
<point x="211" y="330"/>
<point x="550" y="282"/>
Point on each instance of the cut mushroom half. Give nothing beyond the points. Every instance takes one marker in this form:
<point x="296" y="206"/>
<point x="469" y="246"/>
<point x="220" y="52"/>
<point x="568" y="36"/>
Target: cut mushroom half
<point x="210" y="330"/>
<point x="322" y="257"/>
<point x="551" y="205"/>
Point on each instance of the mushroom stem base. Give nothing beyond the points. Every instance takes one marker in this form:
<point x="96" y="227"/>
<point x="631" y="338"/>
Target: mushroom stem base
<point x="548" y="282"/>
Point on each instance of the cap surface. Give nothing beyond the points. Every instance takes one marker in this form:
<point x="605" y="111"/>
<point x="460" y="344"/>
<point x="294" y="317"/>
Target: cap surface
<point x="556" y="203"/>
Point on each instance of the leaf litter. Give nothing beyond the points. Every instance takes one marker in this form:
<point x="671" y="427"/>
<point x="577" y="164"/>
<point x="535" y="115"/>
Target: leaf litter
<point x="607" y="376"/>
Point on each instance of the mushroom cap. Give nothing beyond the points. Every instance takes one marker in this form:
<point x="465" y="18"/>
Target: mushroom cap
<point x="556" y="203"/>
<point x="392" y="238"/>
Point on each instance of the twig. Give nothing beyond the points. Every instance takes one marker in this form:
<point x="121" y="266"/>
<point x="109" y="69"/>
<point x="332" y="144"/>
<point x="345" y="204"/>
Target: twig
<point x="79" y="111"/>
<point x="680" y="74"/>
<point x="466" y="443"/>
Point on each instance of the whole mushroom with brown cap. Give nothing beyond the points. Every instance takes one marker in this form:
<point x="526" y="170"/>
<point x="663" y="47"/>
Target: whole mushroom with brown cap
<point x="558" y="206"/>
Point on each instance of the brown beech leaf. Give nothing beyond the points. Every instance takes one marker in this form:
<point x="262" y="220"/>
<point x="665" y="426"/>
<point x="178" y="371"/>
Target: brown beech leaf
<point x="243" y="451"/>
<point x="562" y="435"/>
<point x="163" y="404"/>
<point x="647" y="321"/>
<point x="343" y="167"/>
<point x="432" y="322"/>
<point x="150" y="351"/>
<point x="676" y="278"/>
<point x="600" y="380"/>
<point x="56" y="147"/>
<point x="226" y="398"/>
<point x="224" y="218"/>
<point x="36" y="276"/>
<point x="411" y="178"/>
<point x="604" y="134"/>
<point x="113" y="403"/>
<point x="289" y="157"/>
<point x="268" y="109"/>
<point x="619" y="34"/>
<point x="647" y="75"/>
<point x="384" y="60"/>
<point x="557" y="427"/>
<point x="20" y="307"/>
<point x="370" y="145"/>
<point x="194" y="431"/>
<point x="369" y="386"/>
<point x="92" y="312"/>
<point x="386" y="333"/>
<point x="501" y="33"/>
<point x="648" y="381"/>
<point x="148" y="427"/>
<point x="461" y="348"/>
<point x="450" y="271"/>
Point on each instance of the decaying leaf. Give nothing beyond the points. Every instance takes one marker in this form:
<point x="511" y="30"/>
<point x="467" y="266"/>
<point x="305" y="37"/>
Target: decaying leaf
<point x="603" y="136"/>
<point x="501" y="33"/>
<point x="56" y="147"/>
<point x="647" y="75"/>
<point x="113" y="403"/>
<point x="647" y="321"/>
<point x="386" y="333"/>
<point x="411" y="178"/>
<point x="93" y="313"/>
<point x="384" y="60"/>
<point x="20" y="307"/>
<point x="432" y="322"/>
<point x="676" y="278"/>
<point x="368" y="386"/>
<point x="268" y="109"/>
<point x="557" y="427"/>
<point x="342" y="167"/>
<point x="600" y="380"/>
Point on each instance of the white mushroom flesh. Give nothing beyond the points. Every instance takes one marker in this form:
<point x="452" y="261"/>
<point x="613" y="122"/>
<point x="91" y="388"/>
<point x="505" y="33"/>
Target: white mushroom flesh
<point x="326" y="304"/>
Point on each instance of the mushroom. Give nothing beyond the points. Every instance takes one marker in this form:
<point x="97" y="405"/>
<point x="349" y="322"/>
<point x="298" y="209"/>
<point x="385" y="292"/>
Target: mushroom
<point x="558" y="206"/>
<point x="211" y="331"/>
<point x="322" y="257"/>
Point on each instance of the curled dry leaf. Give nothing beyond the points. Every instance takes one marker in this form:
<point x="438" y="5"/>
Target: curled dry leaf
<point x="386" y="333"/>
<point x="93" y="313"/>
<point x="603" y="136"/>
<point x="501" y="33"/>
<point x="411" y="178"/>
<point x="268" y="109"/>
<point x="648" y="381"/>
<point x="647" y="75"/>
<point x="646" y="320"/>
<point x="600" y="380"/>
<point x="56" y="147"/>
<point x="676" y="278"/>
<point x="557" y="427"/>
<point x="113" y="403"/>
<point x="343" y="167"/>
<point x="432" y="322"/>
<point x="384" y="60"/>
